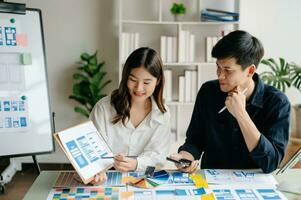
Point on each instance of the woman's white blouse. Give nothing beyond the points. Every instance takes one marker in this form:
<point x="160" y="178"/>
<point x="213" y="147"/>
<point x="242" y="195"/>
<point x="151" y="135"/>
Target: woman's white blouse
<point x="150" y="140"/>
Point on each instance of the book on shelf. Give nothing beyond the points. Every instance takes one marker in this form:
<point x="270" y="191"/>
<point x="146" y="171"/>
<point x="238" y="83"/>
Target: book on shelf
<point x="188" y="86"/>
<point x="129" y="42"/>
<point x="167" y="93"/>
<point x="210" y="43"/>
<point x="85" y="148"/>
<point x="181" y="88"/>
<point x="219" y="15"/>
<point x="187" y="75"/>
<point x="186" y="46"/>
<point x="168" y="48"/>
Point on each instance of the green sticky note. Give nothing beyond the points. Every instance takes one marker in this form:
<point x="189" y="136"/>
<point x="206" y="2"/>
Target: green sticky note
<point x="26" y="59"/>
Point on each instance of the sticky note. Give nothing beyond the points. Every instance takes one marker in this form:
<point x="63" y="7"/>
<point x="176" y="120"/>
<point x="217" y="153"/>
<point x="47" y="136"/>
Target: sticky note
<point x="199" y="191"/>
<point x="22" y="40"/>
<point x="26" y="59"/>
<point x="128" y="179"/>
<point x="209" y="196"/>
<point x="126" y="194"/>
<point x="199" y="181"/>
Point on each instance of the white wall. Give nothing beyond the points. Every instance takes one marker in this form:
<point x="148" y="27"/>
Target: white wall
<point x="277" y="24"/>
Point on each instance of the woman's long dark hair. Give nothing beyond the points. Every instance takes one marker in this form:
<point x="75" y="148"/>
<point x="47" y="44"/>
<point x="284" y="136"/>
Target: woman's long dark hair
<point x="121" y="98"/>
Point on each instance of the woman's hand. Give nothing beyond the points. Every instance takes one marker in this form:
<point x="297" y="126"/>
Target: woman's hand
<point x="124" y="164"/>
<point x="99" y="178"/>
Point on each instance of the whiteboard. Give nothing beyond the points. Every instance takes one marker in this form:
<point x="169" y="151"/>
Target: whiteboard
<point x="25" y="114"/>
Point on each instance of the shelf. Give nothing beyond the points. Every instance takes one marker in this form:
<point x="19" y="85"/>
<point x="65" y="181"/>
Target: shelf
<point x="176" y="103"/>
<point x="183" y="41"/>
<point x="177" y="23"/>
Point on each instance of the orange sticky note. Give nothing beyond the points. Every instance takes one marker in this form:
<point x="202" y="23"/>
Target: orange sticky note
<point x="126" y="194"/>
<point x="128" y="179"/>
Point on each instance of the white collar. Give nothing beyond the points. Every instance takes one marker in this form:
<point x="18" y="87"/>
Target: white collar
<point x="156" y="116"/>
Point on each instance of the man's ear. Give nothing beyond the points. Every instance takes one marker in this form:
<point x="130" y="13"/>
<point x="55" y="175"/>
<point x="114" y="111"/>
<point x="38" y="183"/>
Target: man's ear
<point x="251" y="70"/>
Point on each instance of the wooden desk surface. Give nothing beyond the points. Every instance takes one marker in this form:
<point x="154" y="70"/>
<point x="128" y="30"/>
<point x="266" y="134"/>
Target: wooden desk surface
<point x="42" y="185"/>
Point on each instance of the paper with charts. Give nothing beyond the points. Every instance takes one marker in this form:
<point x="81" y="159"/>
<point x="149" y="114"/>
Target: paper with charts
<point x="246" y="192"/>
<point x="85" y="148"/>
<point x="230" y="176"/>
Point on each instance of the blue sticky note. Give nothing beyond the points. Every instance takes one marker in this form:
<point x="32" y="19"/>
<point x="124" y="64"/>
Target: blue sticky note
<point x="199" y="191"/>
<point x="180" y="192"/>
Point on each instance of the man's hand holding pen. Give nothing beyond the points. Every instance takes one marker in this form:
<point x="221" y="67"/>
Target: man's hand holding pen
<point x="236" y="102"/>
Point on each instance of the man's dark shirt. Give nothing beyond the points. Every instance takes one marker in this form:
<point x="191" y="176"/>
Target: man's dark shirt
<point x="220" y="137"/>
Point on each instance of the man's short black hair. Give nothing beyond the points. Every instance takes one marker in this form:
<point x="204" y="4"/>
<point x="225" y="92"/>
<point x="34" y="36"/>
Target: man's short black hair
<point x="242" y="46"/>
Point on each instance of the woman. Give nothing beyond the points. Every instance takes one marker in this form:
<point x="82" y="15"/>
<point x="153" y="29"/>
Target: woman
<point x="133" y="120"/>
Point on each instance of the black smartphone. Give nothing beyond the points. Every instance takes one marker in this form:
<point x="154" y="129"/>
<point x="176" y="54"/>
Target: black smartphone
<point x="149" y="172"/>
<point x="183" y="162"/>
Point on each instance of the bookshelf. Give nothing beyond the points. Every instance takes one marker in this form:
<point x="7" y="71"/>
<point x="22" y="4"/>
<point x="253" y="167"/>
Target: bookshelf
<point x="152" y="20"/>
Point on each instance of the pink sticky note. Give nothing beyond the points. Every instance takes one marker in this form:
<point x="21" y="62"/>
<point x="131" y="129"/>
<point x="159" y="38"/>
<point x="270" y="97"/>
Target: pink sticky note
<point x="21" y="40"/>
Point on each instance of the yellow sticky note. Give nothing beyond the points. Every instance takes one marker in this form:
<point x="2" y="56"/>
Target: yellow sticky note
<point x="209" y="196"/>
<point x="199" y="181"/>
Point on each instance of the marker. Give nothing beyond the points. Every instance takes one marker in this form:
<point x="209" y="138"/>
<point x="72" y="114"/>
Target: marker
<point x="111" y="157"/>
<point x="224" y="108"/>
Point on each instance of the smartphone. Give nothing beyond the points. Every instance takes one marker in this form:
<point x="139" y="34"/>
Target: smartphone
<point x="183" y="162"/>
<point x="149" y="172"/>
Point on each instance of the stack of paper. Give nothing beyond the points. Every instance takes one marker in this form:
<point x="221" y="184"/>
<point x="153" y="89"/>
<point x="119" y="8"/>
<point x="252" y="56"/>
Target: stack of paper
<point x="242" y="184"/>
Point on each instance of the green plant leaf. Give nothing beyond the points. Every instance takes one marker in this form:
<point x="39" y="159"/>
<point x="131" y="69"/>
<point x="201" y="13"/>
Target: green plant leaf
<point x="93" y="89"/>
<point x="178" y="9"/>
<point x="80" y="77"/>
<point x="97" y="78"/>
<point x="93" y="59"/>
<point x="80" y="99"/>
<point x="279" y="77"/>
<point x="295" y="75"/>
<point x="85" y="57"/>
<point x="87" y="89"/>
<point x="104" y="84"/>
<point x="100" y="65"/>
<point x="81" y="111"/>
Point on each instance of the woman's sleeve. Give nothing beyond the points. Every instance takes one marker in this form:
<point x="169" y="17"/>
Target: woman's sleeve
<point x="97" y="116"/>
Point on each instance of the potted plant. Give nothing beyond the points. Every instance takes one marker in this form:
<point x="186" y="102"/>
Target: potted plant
<point x="282" y="76"/>
<point x="177" y="10"/>
<point x="89" y="83"/>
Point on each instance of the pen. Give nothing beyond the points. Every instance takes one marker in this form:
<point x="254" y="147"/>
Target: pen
<point x="110" y="157"/>
<point x="243" y="92"/>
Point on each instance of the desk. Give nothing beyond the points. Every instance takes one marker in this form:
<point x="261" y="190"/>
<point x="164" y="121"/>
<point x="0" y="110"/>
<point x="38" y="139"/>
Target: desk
<point x="42" y="185"/>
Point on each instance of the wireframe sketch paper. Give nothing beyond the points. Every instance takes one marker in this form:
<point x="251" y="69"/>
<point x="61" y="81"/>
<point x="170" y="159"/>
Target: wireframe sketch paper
<point x="14" y="115"/>
<point x="85" y="147"/>
<point x="241" y="177"/>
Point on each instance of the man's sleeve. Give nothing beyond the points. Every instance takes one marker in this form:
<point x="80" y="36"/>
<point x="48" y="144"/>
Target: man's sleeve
<point x="193" y="135"/>
<point x="272" y="144"/>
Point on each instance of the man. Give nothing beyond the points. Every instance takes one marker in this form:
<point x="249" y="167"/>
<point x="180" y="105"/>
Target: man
<point x="252" y="132"/>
